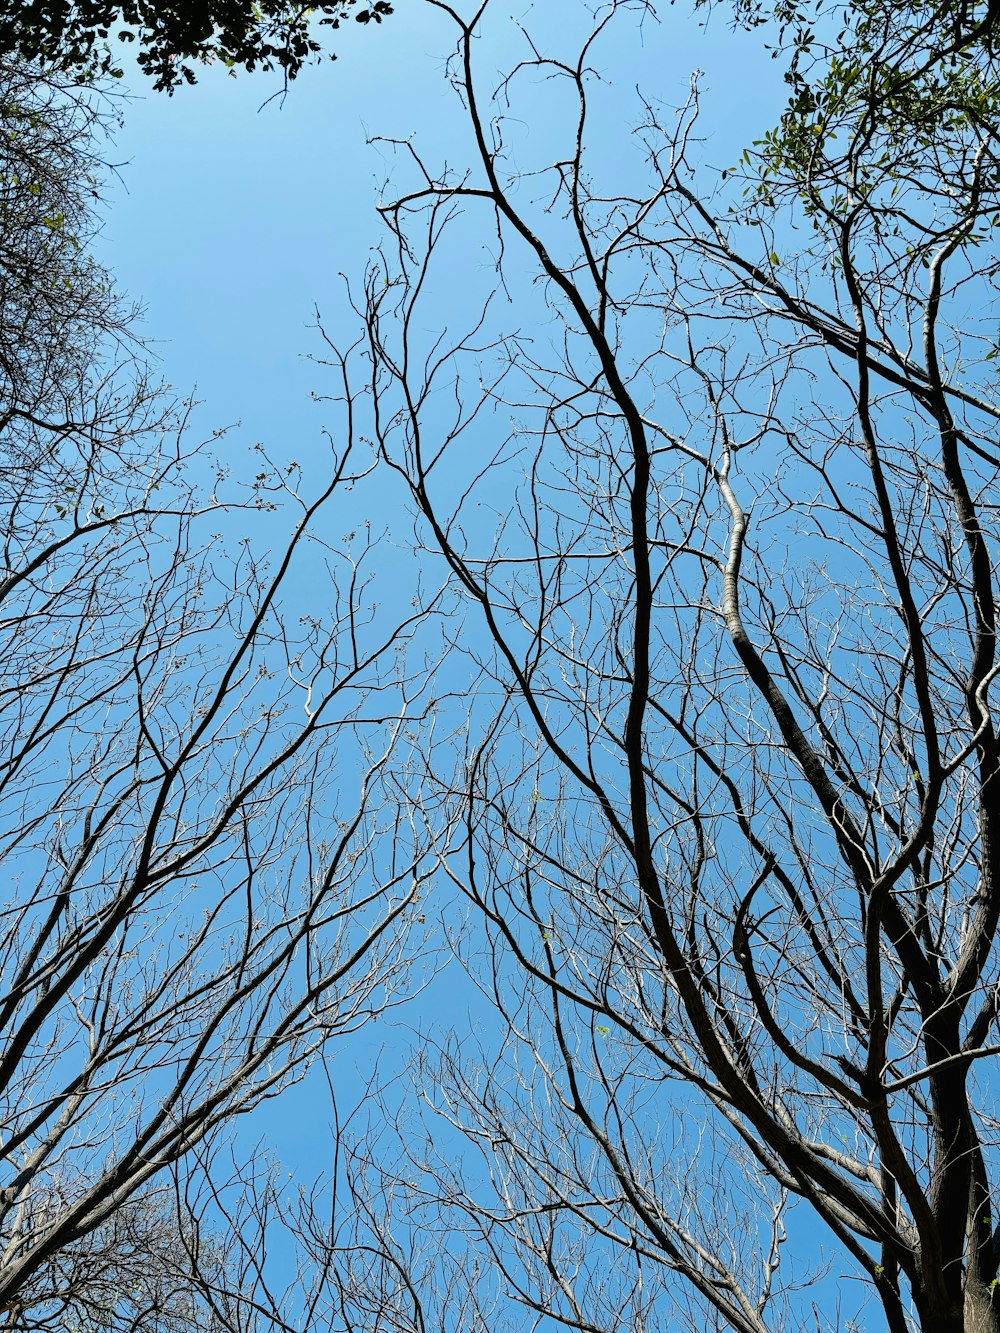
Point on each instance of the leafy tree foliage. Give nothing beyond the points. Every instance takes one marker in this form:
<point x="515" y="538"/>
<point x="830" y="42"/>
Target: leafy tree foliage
<point x="904" y="75"/>
<point x="266" y="33"/>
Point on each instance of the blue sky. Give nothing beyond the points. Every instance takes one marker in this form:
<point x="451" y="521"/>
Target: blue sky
<point x="232" y="219"/>
<point x="233" y="216"/>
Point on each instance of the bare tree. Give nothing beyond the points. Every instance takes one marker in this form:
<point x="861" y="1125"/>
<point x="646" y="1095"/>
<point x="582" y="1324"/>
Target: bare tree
<point x="207" y="877"/>
<point x="131" y="1272"/>
<point x="721" y="499"/>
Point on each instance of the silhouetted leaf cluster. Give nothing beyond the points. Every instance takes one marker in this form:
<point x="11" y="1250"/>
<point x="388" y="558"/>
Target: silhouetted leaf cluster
<point x="82" y="35"/>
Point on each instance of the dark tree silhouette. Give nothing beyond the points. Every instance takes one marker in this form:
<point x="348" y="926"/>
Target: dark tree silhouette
<point x="81" y="35"/>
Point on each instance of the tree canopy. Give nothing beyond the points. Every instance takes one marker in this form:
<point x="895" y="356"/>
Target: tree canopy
<point x="686" y="744"/>
<point x="172" y="37"/>
<point x="728" y="777"/>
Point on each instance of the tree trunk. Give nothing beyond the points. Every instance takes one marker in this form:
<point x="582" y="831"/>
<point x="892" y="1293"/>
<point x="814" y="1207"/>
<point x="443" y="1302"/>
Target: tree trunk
<point x="982" y="1314"/>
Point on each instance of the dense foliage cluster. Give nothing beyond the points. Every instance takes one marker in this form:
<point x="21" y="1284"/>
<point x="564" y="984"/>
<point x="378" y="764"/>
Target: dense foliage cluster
<point x="170" y="38"/>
